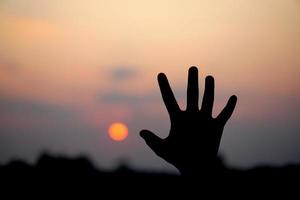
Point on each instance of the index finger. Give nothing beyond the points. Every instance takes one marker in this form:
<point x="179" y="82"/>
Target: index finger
<point x="167" y="94"/>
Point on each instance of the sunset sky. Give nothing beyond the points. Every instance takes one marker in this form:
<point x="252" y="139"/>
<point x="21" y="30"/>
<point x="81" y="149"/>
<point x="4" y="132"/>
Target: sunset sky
<point x="70" y="68"/>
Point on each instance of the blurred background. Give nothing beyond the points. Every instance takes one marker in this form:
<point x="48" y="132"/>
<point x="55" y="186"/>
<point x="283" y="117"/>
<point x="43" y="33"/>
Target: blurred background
<point x="71" y="68"/>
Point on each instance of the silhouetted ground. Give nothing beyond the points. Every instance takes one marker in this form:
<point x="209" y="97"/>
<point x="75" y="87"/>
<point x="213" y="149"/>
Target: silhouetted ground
<point x="64" y="174"/>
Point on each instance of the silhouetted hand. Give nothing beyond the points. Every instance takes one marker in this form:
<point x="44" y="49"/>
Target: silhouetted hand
<point x="194" y="138"/>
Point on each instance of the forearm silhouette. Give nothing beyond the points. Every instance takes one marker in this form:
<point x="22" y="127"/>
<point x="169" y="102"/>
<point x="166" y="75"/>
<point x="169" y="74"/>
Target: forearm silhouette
<point x="194" y="139"/>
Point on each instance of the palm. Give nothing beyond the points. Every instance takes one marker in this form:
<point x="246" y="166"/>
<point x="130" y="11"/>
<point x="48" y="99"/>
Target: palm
<point x="195" y="135"/>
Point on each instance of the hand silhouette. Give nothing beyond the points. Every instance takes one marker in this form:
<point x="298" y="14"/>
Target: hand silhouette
<point x="194" y="138"/>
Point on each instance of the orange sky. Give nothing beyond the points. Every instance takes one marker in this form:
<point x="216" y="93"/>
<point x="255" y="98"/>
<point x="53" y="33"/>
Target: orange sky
<point x="83" y="55"/>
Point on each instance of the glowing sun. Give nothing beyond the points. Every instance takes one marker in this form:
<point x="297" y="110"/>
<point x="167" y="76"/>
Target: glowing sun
<point x="118" y="131"/>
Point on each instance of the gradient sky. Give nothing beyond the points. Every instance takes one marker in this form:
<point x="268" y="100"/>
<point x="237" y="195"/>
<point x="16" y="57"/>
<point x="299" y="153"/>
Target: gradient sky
<point x="70" y="68"/>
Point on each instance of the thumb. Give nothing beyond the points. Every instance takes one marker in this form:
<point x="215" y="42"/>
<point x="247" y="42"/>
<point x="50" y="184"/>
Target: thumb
<point x="153" y="141"/>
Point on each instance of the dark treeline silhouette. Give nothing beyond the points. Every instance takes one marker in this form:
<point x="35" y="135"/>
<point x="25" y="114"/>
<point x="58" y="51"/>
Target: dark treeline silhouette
<point x="65" y="168"/>
<point x="71" y="177"/>
<point x="78" y="178"/>
<point x="80" y="171"/>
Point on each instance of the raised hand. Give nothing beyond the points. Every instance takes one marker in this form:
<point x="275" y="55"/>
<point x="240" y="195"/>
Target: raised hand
<point x="194" y="139"/>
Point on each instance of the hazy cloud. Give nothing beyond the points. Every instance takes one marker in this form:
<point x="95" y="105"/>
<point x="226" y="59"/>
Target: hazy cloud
<point x="121" y="97"/>
<point x="123" y="73"/>
<point x="8" y="65"/>
<point x="29" y="127"/>
<point x="16" y="106"/>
